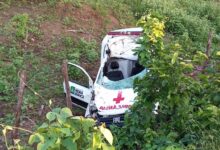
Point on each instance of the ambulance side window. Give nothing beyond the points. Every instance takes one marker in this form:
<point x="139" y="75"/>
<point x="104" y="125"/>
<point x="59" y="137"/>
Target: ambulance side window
<point x="77" y="76"/>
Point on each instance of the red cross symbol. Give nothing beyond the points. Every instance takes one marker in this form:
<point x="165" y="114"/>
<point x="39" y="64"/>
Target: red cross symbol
<point x="119" y="98"/>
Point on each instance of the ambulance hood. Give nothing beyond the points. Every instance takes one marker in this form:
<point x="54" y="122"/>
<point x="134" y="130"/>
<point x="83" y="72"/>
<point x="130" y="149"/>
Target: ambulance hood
<point x="113" y="102"/>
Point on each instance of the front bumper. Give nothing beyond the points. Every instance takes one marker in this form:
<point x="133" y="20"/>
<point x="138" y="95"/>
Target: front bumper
<point x="111" y="120"/>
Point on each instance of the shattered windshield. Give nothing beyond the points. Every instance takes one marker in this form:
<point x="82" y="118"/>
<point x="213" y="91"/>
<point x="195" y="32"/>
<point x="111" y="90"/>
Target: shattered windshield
<point x="121" y="84"/>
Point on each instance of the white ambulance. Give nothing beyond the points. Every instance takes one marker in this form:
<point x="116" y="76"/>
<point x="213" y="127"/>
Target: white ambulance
<point x="111" y="94"/>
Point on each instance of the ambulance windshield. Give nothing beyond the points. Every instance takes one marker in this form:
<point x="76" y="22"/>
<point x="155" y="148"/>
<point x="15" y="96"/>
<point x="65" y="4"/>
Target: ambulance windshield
<point x="121" y="84"/>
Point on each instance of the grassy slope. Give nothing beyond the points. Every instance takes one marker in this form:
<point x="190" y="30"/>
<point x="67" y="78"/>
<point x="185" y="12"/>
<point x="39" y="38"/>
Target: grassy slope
<point x="185" y="18"/>
<point x="52" y="33"/>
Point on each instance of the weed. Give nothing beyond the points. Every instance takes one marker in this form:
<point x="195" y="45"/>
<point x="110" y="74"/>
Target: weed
<point x="68" y="41"/>
<point x="88" y="49"/>
<point x="52" y="2"/>
<point x="73" y="55"/>
<point x="35" y="31"/>
<point x="118" y="8"/>
<point x="11" y="60"/>
<point x="98" y="6"/>
<point x="74" y="50"/>
<point x="21" y="25"/>
<point x="5" y="4"/>
<point x="33" y="26"/>
<point x="8" y="119"/>
<point x="67" y="21"/>
<point x="75" y="3"/>
<point x="54" y="45"/>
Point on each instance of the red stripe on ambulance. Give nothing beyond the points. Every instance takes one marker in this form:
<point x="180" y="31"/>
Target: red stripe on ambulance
<point x="125" y="33"/>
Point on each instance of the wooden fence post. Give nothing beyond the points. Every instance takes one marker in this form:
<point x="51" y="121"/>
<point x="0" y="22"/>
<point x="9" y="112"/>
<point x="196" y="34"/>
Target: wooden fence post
<point x="67" y="87"/>
<point x="23" y="78"/>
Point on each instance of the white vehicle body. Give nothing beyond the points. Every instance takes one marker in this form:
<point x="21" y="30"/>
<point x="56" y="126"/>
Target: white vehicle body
<point x="112" y="94"/>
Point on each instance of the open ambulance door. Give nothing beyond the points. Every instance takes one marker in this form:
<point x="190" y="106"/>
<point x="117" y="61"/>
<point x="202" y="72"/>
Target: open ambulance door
<point x="81" y="85"/>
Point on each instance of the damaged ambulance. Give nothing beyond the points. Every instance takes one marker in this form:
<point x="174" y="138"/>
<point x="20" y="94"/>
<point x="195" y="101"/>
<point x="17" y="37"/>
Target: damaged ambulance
<point x="111" y="94"/>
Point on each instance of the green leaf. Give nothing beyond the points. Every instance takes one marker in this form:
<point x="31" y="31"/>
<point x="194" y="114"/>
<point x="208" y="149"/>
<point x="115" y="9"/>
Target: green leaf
<point x="215" y="111"/>
<point x="66" y="131"/>
<point x="66" y="112"/>
<point x="172" y="135"/>
<point x="174" y="58"/>
<point x="96" y="141"/>
<point x="107" y="134"/>
<point x="2" y="86"/>
<point x="61" y="119"/>
<point x="55" y="124"/>
<point x="51" y="116"/>
<point x="40" y="146"/>
<point x="58" y="142"/>
<point x="69" y="143"/>
<point x="203" y="55"/>
<point x="87" y="124"/>
<point x="43" y="126"/>
<point x="173" y="148"/>
<point x="43" y="146"/>
<point x="41" y="137"/>
<point x="218" y="53"/>
<point x="48" y="143"/>
<point x="56" y="110"/>
<point x="76" y="136"/>
<point x="185" y="65"/>
<point x="33" y="139"/>
<point x="106" y="147"/>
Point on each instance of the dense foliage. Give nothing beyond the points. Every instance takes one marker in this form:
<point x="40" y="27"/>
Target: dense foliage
<point x="186" y="85"/>
<point x="63" y="131"/>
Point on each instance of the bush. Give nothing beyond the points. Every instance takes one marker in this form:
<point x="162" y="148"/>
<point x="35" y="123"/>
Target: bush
<point x="63" y="131"/>
<point x="189" y="97"/>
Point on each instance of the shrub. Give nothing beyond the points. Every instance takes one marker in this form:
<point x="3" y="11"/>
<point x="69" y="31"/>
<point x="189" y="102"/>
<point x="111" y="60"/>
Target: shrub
<point x="187" y="96"/>
<point x="63" y="131"/>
